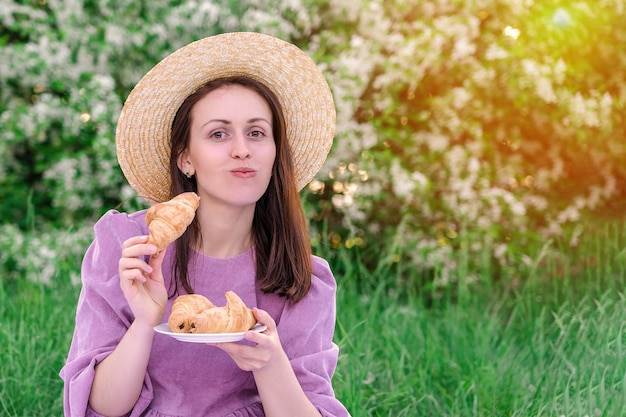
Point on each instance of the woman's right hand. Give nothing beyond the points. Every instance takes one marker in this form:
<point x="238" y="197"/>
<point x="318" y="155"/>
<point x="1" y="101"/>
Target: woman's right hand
<point x="141" y="282"/>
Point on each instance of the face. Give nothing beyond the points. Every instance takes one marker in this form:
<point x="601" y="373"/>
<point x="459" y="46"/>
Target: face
<point x="231" y="147"/>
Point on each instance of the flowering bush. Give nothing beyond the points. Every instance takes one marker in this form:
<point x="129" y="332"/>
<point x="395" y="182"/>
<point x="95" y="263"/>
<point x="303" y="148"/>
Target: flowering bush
<point x="470" y="128"/>
<point x="67" y="66"/>
<point x="39" y="256"/>
<point x="474" y="128"/>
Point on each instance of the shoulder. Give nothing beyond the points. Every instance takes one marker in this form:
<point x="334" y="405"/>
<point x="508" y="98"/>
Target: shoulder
<point x="317" y="310"/>
<point x="114" y="227"/>
<point x="114" y="221"/>
<point x="322" y="275"/>
<point x="110" y="232"/>
<point x="321" y="296"/>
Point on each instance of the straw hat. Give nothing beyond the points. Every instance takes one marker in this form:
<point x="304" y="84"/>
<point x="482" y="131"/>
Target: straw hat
<point x="144" y="127"/>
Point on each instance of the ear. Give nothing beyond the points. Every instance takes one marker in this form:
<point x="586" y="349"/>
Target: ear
<point x="184" y="164"/>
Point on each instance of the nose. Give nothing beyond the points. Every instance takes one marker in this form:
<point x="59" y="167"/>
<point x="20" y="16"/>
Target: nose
<point x="241" y="148"/>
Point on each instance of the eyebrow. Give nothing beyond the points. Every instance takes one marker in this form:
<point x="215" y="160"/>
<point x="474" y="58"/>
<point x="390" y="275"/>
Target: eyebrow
<point x="228" y="122"/>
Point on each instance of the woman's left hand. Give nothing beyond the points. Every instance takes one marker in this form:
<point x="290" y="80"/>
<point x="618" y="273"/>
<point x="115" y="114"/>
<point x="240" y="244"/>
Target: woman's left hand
<point x="266" y="351"/>
<point x="269" y="363"/>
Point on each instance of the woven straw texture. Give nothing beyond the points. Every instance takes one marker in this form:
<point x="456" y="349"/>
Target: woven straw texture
<point x="144" y="127"/>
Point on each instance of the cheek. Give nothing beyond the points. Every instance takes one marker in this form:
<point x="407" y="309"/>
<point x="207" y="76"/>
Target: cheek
<point x="204" y="156"/>
<point x="268" y="156"/>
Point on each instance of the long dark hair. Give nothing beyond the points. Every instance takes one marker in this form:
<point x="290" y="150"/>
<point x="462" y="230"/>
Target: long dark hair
<point x="279" y="231"/>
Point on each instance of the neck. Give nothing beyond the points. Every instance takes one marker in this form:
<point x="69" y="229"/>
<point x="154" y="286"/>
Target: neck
<point x="225" y="233"/>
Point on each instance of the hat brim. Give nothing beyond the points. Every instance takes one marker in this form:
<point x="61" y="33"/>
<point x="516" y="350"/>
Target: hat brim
<point x="144" y="127"/>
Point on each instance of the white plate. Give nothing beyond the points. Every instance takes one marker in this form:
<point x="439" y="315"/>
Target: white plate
<point x="164" y="328"/>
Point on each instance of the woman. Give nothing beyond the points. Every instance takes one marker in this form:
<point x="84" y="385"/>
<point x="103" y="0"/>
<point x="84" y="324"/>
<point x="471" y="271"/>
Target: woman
<point x="245" y="121"/>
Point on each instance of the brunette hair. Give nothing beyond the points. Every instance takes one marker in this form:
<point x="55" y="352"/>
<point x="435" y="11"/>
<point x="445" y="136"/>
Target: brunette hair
<point x="279" y="230"/>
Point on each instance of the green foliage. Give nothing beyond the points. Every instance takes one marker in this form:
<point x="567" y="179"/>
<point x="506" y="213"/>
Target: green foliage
<point x="488" y="123"/>
<point x="470" y="129"/>
<point x="67" y="67"/>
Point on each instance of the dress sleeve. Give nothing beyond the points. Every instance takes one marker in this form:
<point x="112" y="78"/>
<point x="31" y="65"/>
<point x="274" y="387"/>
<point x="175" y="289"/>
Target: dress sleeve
<point x="306" y="332"/>
<point x="102" y="314"/>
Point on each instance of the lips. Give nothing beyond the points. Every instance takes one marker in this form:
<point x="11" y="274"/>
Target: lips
<point x="243" y="172"/>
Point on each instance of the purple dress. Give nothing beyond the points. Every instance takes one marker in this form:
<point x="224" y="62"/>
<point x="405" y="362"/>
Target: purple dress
<point x="194" y="379"/>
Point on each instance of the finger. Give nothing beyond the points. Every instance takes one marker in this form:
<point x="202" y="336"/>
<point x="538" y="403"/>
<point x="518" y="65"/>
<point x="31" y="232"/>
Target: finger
<point x="157" y="259"/>
<point x="138" y="250"/>
<point x="133" y="274"/>
<point x="244" y="364"/>
<point x="258" y="338"/>
<point x="231" y="348"/>
<point x="155" y="264"/>
<point x="135" y="240"/>
<point x="137" y="246"/>
<point x="134" y="263"/>
<point x="263" y="317"/>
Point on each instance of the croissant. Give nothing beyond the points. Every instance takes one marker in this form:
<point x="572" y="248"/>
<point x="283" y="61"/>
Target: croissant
<point x="193" y="313"/>
<point x="184" y="311"/>
<point x="167" y="221"/>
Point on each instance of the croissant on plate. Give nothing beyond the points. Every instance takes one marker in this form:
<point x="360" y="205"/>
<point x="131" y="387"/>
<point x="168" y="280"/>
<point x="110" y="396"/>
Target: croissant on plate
<point x="184" y="311"/>
<point x="167" y="221"/>
<point x="194" y="313"/>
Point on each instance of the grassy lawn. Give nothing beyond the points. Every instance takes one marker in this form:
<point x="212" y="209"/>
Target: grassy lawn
<point x="35" y="332"/>
<point x="552" y="346"/>
<point x="516" y="356"/>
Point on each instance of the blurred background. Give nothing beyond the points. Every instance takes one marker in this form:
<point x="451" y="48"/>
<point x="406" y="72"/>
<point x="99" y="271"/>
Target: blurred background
<point x="495" y="123"/>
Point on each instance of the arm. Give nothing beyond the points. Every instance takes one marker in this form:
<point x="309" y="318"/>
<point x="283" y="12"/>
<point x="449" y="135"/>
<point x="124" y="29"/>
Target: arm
<point x="119" y="378"/>
<point x="304" y="359"/>
<point x="269" y="363"/>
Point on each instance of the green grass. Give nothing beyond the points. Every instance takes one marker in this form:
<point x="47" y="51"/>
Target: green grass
<point x="548" y="343"/>
<point x="35" y="333"/>
<point x="553" y="344"/>
<point x="512" y="357"/>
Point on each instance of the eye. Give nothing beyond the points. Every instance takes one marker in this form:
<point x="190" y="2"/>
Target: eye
<point x="219" y="135"/>
<point x="257" y="134"/>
